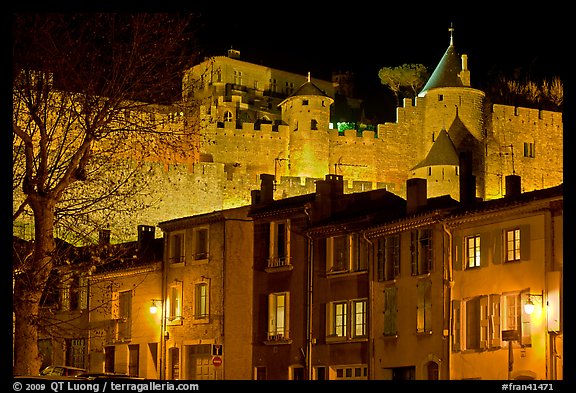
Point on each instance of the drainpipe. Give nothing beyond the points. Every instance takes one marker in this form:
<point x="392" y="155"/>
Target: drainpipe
<point x="371" y="351"/>
<point x="449" y="282"/>
<point x="162" y="362"/>
<point x="310" y="285"/>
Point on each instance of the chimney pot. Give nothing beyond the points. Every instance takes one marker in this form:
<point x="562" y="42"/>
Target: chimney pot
<point x="416" y="194"/>
<point x="513" y="186"/>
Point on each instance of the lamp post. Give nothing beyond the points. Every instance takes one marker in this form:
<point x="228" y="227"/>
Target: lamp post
<point x="154" y="310"/>
<point x="510" y="335"/>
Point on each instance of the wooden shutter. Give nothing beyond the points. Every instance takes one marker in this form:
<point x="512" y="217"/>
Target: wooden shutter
<point x="495" y="325"/>
<point x="525" y="242"/>
<point x="484" y="322"/>
<point x="115" y="305"/>
<point x="456" y="325"/>
<point x="498" y="246"/>
<point x="457" y="256"/>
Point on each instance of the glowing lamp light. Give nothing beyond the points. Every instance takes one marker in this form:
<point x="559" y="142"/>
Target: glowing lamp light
<point x="529" y="307"/>
<point x="153" y="308"/>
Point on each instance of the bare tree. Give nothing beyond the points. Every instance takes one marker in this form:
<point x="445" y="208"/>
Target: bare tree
<point x="403" y="80"/>
<point x="95" y="96"/>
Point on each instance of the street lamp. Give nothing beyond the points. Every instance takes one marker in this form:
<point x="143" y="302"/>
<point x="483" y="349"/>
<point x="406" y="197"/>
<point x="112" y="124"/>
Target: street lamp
<point x="529" y="305"/>
<point x="156" y="304"/>
<point x="154" y="307"/>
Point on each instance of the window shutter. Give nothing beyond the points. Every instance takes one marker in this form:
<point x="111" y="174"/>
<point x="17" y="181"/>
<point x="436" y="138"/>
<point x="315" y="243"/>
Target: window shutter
<point x="115" y="305"/>
<point x="414" y="252"/>
<point x="485" y="244"/>
<point x="457" y="257"/>
<point x="525" y="241"/>
<point x="495" y="326"/>
<point x="497" y="246"/>
<point x="83" y="293"/>
<point x="456" y="325"/>
<point x="271" y="314"/>
<point x="272" y="242"/>
<point x="484" y="322"/>
<point x="287" y="240"/>
<point x="329" y="253"/>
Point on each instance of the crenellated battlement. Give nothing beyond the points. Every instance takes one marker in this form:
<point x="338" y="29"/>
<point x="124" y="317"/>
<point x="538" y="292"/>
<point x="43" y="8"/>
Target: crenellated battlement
<point x="532" y="116"/>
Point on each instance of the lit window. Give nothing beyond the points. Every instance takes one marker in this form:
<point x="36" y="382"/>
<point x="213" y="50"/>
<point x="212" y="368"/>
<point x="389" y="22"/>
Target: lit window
<point x="174" y="303"/>
<point x="228" y="116"/>
<point x="278" y="304"/>
<point x="513" y="245"/>
<point x="473" y="251"/>
<point x="339" y="316"/>
<point x="359" y="315"/>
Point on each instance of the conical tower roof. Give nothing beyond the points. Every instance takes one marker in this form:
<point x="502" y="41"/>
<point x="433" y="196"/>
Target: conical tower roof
<point x="442" y="152"/>
<point x="308" y="88"/>
<point x="447" y="71"/>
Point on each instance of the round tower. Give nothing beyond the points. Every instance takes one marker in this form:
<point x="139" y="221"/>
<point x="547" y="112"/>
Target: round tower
<point x="307" y="114"/>
<point x="450" y="103"/>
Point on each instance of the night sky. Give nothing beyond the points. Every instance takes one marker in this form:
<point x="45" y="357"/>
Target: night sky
<point x="363" y="37"/>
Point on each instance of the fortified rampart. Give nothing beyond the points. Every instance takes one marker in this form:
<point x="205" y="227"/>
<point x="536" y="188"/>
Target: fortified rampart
<point x="249" y="131"/>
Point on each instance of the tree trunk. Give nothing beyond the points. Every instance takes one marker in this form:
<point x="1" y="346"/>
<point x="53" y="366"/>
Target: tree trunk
<point x="29" y="287"/>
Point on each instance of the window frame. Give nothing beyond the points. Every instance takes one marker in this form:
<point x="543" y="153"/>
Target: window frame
<point x="347" y="253"/>
<point x="421" y="251"/>
<point x="276" y="258"/>
<point x="174" y="303"/>
<point x="201" y="251"/>
<point x="473" y="261"/>
<point x="274" y="333"/>
<point x="512" y="246"/>
<point x="201" y="301"/>
<point x="388" y="257"/>
<point x="177" y="251"/>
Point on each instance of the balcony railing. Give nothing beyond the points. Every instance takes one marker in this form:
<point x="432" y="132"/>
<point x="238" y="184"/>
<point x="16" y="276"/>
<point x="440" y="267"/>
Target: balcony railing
<point x="279" y="264"/>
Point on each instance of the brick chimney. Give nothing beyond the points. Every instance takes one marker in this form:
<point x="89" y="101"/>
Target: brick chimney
<point x="266" y="192"/>
<point x="145" y="242"/>
<point x="513" y="186"/>
<point x="327" y="191"/>
<point x="416" y="194"/>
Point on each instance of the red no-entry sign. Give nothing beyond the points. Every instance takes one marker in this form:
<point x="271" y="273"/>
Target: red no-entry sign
<point x="217" y="361"/>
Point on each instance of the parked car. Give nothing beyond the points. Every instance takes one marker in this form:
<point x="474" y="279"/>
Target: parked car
<point x="66" y="371"/>
<point x="92" y="376"/>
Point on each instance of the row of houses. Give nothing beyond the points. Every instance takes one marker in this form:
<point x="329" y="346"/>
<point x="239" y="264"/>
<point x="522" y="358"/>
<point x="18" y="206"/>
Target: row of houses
<point x="330" y="285"/>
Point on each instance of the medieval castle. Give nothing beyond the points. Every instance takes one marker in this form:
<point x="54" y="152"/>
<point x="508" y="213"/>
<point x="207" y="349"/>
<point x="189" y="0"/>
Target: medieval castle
<point x="258" y="120"/>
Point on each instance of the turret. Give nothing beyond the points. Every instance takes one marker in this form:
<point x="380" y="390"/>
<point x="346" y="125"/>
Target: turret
<point x="307" y="113"/>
